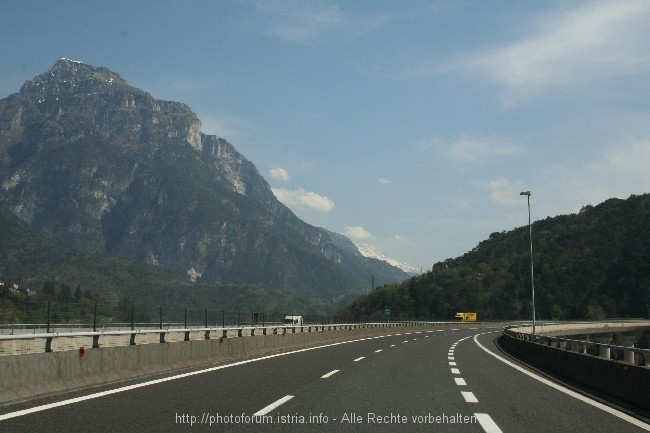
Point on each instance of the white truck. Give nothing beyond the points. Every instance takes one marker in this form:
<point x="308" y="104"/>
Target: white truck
<point x="293" y="320"/>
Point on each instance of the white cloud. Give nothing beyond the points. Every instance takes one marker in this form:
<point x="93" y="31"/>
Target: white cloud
<point x="280" y="174"/>
<point x="618" y="172"/>
<point x="300" y="22"/>
<point x="356" y="232"/>
<point x="591" y="42"/>
<point x="504" y="191"/>
<point x="384" y="181"/>
<point x="470" y="149"/>
<point x="303" y="199"/>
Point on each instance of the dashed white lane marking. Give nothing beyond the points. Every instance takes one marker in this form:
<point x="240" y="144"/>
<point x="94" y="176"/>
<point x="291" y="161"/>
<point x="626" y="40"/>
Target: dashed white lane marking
<point x="486" y="422"/>
<point x="484" y="419"/>
<point x="359" y="359"/>
<point x="161" y="380"/>
<point x="567" y="391"/>
<point x="274" y="405"/>
<point x="379" y="350"/>
<point x="469" y="397"/>
<point x="331" y="373"/>
<point x="392" y="345"/>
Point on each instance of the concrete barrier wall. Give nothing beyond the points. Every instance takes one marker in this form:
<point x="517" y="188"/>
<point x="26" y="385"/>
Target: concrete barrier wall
<point x="629" y="383"/>
<point x="26" y="376"/>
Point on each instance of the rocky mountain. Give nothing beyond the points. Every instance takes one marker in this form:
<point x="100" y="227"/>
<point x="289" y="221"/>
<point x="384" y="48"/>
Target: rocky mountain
<point x="103" y="167"/>
<point x="376" y="253"/>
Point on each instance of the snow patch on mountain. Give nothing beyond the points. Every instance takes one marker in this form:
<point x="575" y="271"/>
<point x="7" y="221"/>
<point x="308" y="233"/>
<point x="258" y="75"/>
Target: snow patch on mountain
<point x="375" y="253"/>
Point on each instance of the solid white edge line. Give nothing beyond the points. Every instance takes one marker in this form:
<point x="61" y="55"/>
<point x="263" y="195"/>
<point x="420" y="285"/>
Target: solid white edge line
<point x="331" y="373"/>
<point x="156" y="381"/>
<point x="272" y="406"/>
<point x="569" y="392"/>
<point x="486" y="422"/>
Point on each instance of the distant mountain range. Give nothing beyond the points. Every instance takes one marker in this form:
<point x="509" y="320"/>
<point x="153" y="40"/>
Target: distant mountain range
<point x="104" y="168"/>
<point x="375" y="253"/>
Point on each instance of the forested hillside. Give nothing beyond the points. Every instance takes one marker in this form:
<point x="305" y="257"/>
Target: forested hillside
<point x="590" y="265"/>
<point x="50" y="271"/>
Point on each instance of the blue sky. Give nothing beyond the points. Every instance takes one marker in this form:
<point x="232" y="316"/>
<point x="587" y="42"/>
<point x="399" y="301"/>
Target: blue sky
<point x="410" y="125"/>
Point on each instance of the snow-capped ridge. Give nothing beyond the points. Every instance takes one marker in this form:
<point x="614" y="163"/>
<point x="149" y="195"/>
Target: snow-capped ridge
<point x="73" y="61"/>
<point x="375" y="253"/>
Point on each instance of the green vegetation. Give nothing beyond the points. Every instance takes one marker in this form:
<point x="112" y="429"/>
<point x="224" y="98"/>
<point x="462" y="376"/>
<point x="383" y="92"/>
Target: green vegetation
<point x="590" y="265"/>
<point x="34" y="262"/>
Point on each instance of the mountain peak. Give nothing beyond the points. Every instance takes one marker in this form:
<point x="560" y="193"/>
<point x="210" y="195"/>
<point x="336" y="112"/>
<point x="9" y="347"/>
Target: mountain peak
<point x="69" y="76"/>
<point x="65" y="59"/>
<point x="105" y="167"/>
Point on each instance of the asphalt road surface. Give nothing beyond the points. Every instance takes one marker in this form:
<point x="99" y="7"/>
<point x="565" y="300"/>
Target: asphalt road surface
<point x="433" y="381"/>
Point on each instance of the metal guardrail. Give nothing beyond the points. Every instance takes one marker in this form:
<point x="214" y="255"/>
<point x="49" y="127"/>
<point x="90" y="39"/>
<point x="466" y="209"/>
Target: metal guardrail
<point x="629" y="354"/>
<point x="26" y="343"/>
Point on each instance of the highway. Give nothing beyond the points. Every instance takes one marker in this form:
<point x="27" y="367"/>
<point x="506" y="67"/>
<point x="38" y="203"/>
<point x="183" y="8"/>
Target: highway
<point x="441" y="381"/>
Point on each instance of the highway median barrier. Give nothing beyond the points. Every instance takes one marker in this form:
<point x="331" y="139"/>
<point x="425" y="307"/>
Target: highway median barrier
<point x="41" y="364"/>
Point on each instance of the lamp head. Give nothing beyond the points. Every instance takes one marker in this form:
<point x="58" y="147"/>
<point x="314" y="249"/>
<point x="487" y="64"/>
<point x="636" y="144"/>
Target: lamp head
<point x="525" y="193"/>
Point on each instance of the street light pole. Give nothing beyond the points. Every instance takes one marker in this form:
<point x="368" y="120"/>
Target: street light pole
<point x="530" y="234"/>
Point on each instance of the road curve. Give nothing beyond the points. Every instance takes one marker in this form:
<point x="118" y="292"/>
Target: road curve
<point x="443" y="381"/>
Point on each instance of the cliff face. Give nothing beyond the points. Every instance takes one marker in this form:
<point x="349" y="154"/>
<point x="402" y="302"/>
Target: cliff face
<point x="105" y="167"/>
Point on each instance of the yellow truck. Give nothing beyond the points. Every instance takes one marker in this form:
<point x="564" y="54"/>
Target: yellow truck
<point x="466" y="317"/>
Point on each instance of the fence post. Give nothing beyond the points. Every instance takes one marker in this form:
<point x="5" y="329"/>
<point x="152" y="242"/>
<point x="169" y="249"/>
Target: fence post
<point x="132" y="317"/>
<point x="206" y="318"/>
<point x="160" y="318"/>
<point x="95" y="318"/>
<point x="223" y="319"/>
<point x="48" y="316"/>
